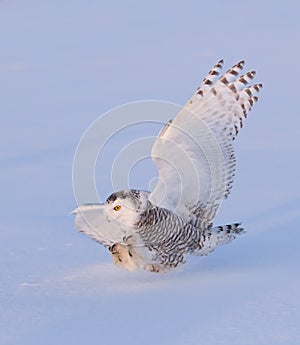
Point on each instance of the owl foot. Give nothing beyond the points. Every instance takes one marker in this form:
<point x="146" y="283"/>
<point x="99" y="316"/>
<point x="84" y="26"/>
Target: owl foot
<point x="123" y="257"/>
<point x="127" y="256"/>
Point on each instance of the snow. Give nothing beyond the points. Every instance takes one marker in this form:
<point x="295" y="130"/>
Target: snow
<point x="61" y="66"/>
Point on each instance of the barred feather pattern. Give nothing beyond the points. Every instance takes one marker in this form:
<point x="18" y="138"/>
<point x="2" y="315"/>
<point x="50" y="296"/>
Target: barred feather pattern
<point x="217" y="110"/>
<point x="170" y="238"/>
<point x="223" y="104"/>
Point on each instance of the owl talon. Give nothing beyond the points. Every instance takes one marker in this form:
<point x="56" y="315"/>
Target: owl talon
<point x="112" y="249"/>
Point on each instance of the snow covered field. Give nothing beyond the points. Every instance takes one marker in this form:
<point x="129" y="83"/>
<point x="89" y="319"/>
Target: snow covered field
<point x="64" y="64"/>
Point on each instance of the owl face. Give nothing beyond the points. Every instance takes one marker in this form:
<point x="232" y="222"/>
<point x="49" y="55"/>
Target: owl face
<point x="126" y="206"/>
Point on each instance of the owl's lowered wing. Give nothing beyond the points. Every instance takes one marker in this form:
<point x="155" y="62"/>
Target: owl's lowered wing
<point x="194" y="154"/>
<point x="91" y="220"/>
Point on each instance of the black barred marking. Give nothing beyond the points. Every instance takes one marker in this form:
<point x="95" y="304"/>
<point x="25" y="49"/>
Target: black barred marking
<point x="224" y="80"/>
<point x="248" y="91"/>
<point x="209" y="79"/>
<point x="243" y="80"/>
<point x="251" y="74"/>
<point x="213" y="90"/>
<point x="233" y="88"/>
<point x="236" y="129"/>
<point x="200" y="92"/>
<point x="256" y="87"/>
<point x="218" y="65"/>
<point x="113" y="197"/>
<point x="214" y="72"/>
<point x="239" y="65"/>
<point x="241" y="122"/>
<point x="244" y="109"/>
<point x="234" y="72"/>
<point x="207" y="82"/>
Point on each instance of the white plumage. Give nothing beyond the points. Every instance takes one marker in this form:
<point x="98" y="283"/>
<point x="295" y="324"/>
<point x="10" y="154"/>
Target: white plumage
<point x="196" y="164"/>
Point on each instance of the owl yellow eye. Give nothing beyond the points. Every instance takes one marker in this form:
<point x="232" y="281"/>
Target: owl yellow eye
<point x="117" y="208"/>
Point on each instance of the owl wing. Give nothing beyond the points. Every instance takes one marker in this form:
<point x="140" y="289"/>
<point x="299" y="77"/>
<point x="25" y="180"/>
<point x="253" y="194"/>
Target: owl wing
<point x="91" y="220"/>
<point x="194" y="153"/>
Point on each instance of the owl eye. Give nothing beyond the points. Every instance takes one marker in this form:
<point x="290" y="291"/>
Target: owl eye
<point x="117" y="208"/>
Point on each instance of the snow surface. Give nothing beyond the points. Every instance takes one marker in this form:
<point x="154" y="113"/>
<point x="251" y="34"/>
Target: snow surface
<point x="63" y="64"/>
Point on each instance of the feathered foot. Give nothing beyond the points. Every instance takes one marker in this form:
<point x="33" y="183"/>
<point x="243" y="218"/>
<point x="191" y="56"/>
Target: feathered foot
<point x="130" y="254"/>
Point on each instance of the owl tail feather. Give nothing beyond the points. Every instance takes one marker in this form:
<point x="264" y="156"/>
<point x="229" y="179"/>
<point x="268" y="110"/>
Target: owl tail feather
<point x="219" y="235"/>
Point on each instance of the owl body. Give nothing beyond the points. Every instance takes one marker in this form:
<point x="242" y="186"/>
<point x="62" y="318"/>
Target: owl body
<point x="160" y="239"/>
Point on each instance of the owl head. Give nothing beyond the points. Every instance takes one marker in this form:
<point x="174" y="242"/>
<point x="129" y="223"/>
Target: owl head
<point x="126" y="206"/>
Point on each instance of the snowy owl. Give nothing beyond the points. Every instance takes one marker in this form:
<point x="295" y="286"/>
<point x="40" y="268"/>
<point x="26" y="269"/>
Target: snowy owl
<point x="194" y="156"/>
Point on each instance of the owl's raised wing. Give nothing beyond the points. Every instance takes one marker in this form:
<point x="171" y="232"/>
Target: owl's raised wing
<point x="91" y="220"/>
<point x="194" y="154"/>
